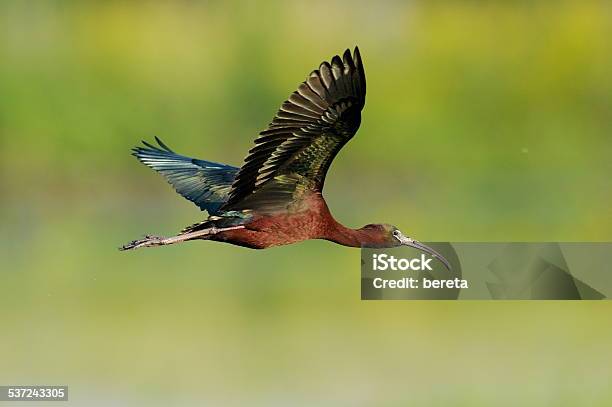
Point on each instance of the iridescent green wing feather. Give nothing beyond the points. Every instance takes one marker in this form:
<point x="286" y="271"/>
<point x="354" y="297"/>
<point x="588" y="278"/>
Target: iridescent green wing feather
<point x="294" y="153"/>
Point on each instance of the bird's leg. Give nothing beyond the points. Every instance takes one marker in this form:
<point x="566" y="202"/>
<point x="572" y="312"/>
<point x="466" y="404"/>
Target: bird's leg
<point x="150" y="241"/>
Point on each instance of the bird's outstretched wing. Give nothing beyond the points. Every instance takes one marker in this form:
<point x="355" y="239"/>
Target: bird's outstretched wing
<point x="293" y="154"/>
<point x="206" y="184"/>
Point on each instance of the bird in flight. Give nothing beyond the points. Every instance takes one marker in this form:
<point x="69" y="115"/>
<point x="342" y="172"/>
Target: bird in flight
<point x="275" y="198"/>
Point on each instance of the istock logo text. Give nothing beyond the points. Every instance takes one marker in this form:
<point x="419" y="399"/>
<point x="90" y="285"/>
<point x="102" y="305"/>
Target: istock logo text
<point x="382" y="262"/>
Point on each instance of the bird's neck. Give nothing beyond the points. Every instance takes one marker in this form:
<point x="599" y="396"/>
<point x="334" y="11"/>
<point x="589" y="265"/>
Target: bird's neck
<point x="353" y="237"/>
<point x="336" y="232"/>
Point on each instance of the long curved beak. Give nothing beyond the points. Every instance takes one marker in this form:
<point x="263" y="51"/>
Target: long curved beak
<point x="406" y="241"/>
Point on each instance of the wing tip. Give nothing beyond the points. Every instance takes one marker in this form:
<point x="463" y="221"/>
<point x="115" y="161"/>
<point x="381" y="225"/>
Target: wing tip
<point x="163" y="145"/>
<point x="356" y="54"/>
<point x="160" y="143"/>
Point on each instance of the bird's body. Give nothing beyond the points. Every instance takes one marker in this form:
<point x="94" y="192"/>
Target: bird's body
<point x="260" y="232"/>
<point x="309" y="220"/>
<point x="275" y="198"/>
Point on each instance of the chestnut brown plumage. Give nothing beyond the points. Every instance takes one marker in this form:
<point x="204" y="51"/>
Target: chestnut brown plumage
<point x="275" y="197"/>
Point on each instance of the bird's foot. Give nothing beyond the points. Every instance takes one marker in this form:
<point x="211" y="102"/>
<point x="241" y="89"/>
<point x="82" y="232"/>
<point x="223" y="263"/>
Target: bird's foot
<point x="148" y="241"/>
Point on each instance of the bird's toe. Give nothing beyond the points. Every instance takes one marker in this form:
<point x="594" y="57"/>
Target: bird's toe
<point x="148" y="241"/>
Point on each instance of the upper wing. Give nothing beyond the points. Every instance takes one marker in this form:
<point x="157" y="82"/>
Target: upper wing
<point x="297" y="148"/>
<point x="204" y="183"/>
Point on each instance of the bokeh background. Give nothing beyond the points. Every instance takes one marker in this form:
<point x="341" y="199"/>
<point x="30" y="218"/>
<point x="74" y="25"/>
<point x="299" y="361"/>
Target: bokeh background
<point x="485" y="121"/>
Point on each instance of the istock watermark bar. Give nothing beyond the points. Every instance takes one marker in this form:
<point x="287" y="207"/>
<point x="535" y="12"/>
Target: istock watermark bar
<point x="33" y="393"/>
<point x="489" y="271"/>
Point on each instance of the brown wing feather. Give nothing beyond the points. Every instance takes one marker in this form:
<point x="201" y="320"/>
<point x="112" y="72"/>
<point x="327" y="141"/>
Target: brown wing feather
<point x="298" y="146"/>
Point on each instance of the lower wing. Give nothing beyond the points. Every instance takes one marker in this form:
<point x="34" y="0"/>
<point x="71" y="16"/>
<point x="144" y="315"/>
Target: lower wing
<point x="206" y="184"/>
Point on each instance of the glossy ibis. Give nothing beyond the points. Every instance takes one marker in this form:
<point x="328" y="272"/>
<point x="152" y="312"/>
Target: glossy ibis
<point x="275" y="197"/>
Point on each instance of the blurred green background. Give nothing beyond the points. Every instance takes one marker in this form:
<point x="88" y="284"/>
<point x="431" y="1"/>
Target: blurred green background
<point x="484" y="121"/>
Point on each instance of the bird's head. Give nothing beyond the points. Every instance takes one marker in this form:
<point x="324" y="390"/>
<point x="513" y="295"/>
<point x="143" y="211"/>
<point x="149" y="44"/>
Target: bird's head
<point x="390" y="236"/>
